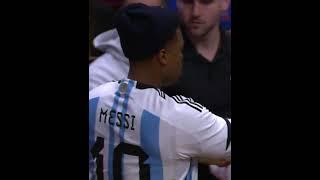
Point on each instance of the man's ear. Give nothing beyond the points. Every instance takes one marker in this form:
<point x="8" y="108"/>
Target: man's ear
<point x="163" y="57"/>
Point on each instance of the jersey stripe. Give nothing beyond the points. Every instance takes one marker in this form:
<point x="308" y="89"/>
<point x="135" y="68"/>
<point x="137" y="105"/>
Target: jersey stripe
<point x="161" y="93"/>
<point x="192" y="101"/>
<point x="111" y="137"/>
<point x="189" y="174"/>
<point x="92" y="120"/>
<point x="150" y="127"/>
<point x="124" y="111"/>
<point x="191" y="170"/>
<point x="179" y="101"/>
<point x="125" y="107"/>
<point x="179" y="97"/>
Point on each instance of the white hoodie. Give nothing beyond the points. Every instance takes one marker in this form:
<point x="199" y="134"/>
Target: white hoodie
<point x="112" y="65"/>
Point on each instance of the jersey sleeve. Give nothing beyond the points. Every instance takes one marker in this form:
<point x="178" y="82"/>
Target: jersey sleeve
<point x="206" y="137"/>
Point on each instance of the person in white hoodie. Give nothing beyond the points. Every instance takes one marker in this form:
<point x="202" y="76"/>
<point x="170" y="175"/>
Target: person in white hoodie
<point x="112" y="65"/>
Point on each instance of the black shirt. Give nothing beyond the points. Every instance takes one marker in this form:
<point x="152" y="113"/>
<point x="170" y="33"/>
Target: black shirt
<point x="208" y="83"/>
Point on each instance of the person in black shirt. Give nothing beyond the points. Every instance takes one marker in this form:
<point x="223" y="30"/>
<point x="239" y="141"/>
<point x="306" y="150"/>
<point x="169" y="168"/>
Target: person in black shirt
<point x="206" y="73"/>
<point x="207" y="82"/>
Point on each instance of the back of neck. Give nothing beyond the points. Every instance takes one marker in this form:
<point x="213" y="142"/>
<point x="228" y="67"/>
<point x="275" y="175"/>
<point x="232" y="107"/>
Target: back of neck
<point x="144" y="73"/>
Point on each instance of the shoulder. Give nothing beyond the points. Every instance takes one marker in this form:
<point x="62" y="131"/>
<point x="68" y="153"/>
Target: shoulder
<point x="186" y="103"/>
<point x="168" y="107"/>
<point x="186" y="111"/>
<point x="149" y="98"/>
<point x="191" y="118"/>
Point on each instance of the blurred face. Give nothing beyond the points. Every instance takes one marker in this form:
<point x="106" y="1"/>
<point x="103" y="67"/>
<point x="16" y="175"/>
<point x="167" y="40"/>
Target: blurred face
<point x="200" y="16"/>
<point x="173" y="68"/>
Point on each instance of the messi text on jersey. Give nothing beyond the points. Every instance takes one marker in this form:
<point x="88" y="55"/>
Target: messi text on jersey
<point x="117" y="118"/>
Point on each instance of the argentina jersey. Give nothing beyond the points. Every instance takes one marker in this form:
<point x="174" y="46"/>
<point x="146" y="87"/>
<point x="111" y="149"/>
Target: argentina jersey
<point x="138" y="132"/>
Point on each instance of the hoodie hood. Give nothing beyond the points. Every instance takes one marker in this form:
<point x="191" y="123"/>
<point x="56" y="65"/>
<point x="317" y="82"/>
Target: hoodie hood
<point x="112" y="65"/>
<point x="109" y="42"/>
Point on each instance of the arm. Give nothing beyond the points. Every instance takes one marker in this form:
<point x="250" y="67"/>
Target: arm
<point x="215" y="142"/>
<point x="206" y="137"/>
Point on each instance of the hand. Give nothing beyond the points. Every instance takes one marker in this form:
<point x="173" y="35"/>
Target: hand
<point x="222" y="173"/>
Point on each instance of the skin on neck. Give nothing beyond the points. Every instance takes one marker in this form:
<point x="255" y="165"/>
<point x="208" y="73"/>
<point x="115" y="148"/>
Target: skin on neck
<point x="146" y="72"/>
<point x="208" y="44"/>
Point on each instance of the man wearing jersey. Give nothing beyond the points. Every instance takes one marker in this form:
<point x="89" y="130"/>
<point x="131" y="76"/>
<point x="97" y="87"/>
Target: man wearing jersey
<point x="138" y="132"/>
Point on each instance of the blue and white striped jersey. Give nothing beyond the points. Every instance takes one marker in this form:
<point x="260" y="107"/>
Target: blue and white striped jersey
<point x="138" y="132"/>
